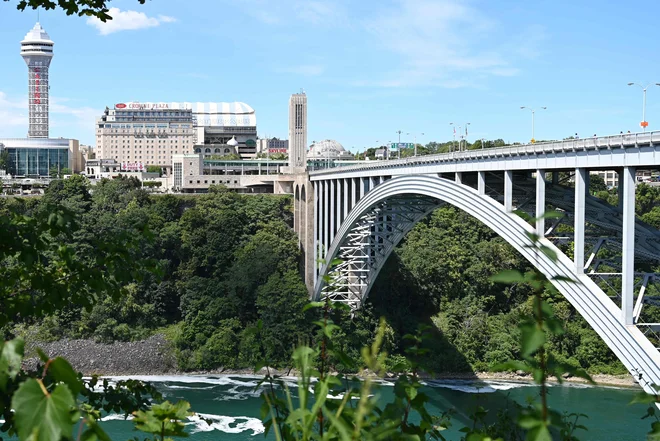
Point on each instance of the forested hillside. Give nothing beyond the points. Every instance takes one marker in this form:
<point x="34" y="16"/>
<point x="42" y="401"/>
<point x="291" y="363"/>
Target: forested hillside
<point x="228" y="291"/>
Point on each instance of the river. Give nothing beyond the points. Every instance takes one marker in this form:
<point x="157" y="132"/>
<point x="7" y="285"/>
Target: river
<point x="233" y="405"/>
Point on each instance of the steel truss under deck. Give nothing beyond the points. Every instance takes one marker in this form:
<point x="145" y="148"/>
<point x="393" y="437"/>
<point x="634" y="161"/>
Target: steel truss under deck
<point x="359" y="222"/>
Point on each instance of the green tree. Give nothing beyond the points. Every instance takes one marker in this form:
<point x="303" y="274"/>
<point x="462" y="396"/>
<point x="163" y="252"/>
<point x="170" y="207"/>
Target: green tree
<point x="155" y="169"/>
<point x="280" y="303"/>
<point x="94" y="8"/>
<point x="596" y="183"/>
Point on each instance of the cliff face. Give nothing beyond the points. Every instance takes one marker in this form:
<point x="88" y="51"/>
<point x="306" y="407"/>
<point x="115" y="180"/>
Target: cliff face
<point x="147" y="357"/>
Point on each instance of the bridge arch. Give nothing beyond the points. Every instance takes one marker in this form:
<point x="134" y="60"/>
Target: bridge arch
<point x="380" y="220"/>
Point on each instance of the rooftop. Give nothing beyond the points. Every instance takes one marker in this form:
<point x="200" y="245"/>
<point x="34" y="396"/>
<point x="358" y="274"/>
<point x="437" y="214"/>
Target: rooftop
<point x="37" y="34"/>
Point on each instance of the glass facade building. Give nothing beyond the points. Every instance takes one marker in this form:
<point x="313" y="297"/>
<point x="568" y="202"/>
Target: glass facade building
<point x="34" y="157"/>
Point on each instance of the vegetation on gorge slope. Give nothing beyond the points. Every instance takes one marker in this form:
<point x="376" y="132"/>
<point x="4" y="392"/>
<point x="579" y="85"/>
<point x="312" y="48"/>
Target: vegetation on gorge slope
<point x="230" y="261"/>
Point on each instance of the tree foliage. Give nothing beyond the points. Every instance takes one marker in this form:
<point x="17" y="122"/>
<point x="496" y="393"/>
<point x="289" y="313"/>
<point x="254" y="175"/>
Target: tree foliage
<point x="90" y="8"/>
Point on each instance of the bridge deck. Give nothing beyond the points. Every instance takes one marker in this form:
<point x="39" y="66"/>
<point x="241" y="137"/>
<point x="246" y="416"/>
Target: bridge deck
<point x="606" y="152"/>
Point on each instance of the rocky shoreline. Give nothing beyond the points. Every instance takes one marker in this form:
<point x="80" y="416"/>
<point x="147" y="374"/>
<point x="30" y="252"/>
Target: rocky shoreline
<point x="154" y="356"/>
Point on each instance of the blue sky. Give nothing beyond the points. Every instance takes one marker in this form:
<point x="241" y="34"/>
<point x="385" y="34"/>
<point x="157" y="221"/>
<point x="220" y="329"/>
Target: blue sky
<point x="369" y="68"/>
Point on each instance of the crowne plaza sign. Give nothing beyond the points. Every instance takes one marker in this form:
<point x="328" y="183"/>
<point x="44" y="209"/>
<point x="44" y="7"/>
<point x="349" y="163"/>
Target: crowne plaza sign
<point x="142" y="106"/>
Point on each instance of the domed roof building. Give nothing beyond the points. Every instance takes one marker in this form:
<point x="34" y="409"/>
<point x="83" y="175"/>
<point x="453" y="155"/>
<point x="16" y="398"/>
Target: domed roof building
<point x="232" y="142"/>
<point x="328" y="149"/>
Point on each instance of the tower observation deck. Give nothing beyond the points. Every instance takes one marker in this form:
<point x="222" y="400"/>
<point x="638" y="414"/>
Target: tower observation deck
<point x="37" y="51"/>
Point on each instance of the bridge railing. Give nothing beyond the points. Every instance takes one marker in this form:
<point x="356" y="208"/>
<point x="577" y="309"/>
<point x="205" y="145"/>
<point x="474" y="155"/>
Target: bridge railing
<point x="568" y="145"/>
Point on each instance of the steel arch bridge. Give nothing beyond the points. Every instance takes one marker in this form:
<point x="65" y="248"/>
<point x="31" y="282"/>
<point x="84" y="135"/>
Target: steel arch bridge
<point x="360" y="213"/>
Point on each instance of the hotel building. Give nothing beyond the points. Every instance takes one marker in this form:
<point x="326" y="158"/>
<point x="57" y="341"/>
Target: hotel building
<point x="141" y="134"/>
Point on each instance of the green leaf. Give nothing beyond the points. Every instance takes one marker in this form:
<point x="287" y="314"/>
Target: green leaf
<point x="529" y="422"/>
<point x="42" y="355"/>
<point x="513" y="365"/>
<point x="549" y="252"/>
<point x="552" y="214"/>
<point x="563" y="279"/>
<point x="531" y="339"/>
<point x="311" y="305"/>
<point x="524" y="215"/>
<point x="508" y="276"/>
<point x="62" y="371"/>
<point x="163" y="419"/>
<point x="539" y="433"/>
<point x="40" y="416"/>
<point x="11" y="358"/>
<point x="411" y="391"/>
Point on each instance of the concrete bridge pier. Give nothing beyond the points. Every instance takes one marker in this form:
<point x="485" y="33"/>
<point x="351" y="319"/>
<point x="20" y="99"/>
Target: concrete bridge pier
<point x="303" y="224"/>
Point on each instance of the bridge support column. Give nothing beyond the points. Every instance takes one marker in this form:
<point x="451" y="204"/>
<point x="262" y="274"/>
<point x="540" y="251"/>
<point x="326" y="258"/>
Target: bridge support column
<point x="620" y="188"/>
<point x="345" y="190"/>
<point x="333" y="211"/>
<point x="555" y="178"/>
<point x="363" y="187"/>
<point x="628" y="248"/>
<point x="317" y="228"/>
<point x="508" y="190"/>
<point x="459" y="178"/>
<point x="481" y="182"/>
<point x="326" y="217"/>
<point x="580" y="204"/>
<point x="354" y="191"/>
<point x="540" y="202"/>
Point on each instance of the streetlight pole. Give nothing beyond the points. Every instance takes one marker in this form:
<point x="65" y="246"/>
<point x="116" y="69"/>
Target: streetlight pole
<point x="453" y="143"/>
<point x="398" y="146"/>
<point x="644" y="124"/>
<point x="415" y="139"/>
<point x="421" y="134"/>
<point x="466" y="133"/>
<point x="533" y="112"/>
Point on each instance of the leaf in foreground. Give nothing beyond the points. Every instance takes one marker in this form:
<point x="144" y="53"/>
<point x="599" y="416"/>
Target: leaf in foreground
<point x="40" y="416"/>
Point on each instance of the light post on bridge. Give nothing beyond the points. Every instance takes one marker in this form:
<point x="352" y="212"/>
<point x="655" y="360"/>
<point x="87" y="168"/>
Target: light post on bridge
<point x="415" y="138"/>
<point x="398" y="146"/>
<point x="533" y="112"/>
<point x="466" y="133"/>
<point x="453" y="143"/>
<point x="644" y="123"/>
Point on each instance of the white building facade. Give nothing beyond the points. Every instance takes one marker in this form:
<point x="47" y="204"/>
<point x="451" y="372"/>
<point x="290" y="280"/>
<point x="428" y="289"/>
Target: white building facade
<point x="143" y="134"/>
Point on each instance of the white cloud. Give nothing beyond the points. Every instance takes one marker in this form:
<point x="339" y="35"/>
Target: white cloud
<point x="13" y="112"/>
<point x="307" y="70"/>
<point x="83" y="116"/>
<point x="314" y="12"/>
<point x="445" y="43"/>
<point x="127" y="20"/>
<point x="319" y="12"/>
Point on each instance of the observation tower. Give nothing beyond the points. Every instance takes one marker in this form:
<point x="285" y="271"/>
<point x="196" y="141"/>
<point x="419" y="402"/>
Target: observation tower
<point x="37" y="51"/>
